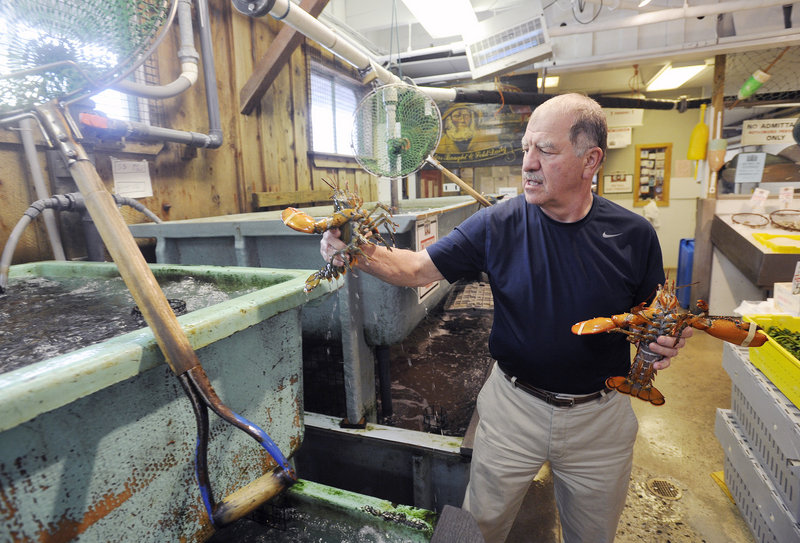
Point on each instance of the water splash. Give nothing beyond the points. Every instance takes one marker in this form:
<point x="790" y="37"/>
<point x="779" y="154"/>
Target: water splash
<point x="42" y="318"/>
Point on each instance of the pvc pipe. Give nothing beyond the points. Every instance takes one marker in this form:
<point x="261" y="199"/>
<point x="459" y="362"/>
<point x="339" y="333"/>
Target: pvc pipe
<point x="26" y="127"/>
<point x="187" y="54"/>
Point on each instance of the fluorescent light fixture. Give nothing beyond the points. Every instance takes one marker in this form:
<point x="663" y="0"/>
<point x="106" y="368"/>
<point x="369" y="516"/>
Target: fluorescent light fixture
<point x="550" y="82"/>
<point x="672" y="76"/>
<point x="643" y="3"/>
<point x="443" y="18"/>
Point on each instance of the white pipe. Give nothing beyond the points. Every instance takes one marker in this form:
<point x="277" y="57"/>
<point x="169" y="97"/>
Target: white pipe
<point x="189" y="60"/>
<point x="26" y="128"/>
<point x="300" y="20"/>
<point x="663" y="15"/>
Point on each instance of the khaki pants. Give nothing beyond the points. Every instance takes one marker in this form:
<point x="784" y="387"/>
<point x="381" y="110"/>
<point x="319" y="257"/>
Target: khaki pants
<point x="589" y="446"/>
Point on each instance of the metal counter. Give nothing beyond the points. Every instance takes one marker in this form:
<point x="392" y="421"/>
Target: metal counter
<point x="760" y="264"/>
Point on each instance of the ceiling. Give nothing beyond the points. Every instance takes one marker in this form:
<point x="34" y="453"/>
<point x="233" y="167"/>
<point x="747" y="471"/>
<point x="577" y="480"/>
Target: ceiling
<point x="609" y="47"/>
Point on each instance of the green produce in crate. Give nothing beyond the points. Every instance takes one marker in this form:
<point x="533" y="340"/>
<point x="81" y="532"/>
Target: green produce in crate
<point x="788" y="339"/>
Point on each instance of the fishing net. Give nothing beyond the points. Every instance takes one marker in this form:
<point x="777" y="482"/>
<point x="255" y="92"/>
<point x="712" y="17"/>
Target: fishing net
<point x="395" y="129"/>
<point x="782" y="83"/>
<point x="67" y="49"/>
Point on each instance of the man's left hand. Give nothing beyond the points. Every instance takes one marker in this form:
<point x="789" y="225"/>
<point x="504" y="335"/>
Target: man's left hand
<point x="666" y="346"/>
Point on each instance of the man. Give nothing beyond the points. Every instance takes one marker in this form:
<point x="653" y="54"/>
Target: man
<point x="554" y="256"/>
<point x="462" y="133"/>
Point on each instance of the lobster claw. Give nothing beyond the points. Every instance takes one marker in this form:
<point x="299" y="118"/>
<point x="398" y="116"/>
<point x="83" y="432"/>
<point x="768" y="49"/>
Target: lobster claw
<point x="299" y="221"/>
<point x="746" y="334"/>
<point x="594" y="326"/>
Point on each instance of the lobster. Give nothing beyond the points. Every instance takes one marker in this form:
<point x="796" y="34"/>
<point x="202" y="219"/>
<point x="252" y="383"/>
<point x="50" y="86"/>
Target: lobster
<point x="644" y="324"/>
<point x="359" y="226"/>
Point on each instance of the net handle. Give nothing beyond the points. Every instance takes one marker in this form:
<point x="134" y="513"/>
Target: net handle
<point x="458" y="181"/>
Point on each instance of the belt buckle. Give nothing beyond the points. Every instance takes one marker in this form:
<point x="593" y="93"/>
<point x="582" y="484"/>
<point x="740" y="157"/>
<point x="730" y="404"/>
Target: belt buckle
<point x="554" y="399"/>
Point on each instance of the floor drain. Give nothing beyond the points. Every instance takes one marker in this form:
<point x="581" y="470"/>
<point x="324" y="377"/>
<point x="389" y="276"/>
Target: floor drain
<point x="664" y="489"/>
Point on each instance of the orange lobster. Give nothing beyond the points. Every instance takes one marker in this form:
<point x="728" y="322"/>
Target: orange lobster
<point x="358" y="225"/>
<point x="645" y="323"/>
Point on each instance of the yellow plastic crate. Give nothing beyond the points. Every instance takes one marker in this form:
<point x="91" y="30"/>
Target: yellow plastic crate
<point x="780" y="243"/>
<point x="778" y="364"/>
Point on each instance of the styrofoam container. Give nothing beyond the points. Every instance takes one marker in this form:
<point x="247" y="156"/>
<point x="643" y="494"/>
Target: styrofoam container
<point x="786" y="301"/>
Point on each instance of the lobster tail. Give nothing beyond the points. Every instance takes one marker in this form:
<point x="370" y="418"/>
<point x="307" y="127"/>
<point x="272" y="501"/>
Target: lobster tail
<point x="647" y="393"/>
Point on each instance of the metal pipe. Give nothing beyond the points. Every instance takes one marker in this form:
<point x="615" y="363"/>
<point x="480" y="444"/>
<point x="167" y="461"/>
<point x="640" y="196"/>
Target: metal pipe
<point x="214" y="138"/>
<point x="26" y="134"/>
<point x="664" y="15"/>
<point x="209" y="76"/>
<point x="73" y="201"/>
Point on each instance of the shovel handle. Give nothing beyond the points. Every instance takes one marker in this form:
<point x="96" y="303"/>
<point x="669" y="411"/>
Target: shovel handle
<point x="123" y="249"/>
<point x="244" y="500"/>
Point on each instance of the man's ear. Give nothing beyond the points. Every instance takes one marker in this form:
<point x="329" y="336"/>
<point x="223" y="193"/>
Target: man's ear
<point x="592" y="159"/>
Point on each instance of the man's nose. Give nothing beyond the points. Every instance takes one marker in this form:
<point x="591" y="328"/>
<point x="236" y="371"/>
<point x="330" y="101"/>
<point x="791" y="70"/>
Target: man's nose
<point x="530" y="161"/>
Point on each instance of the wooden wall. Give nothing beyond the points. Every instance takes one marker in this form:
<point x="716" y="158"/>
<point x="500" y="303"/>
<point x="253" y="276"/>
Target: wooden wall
<point x="264" y="152"/>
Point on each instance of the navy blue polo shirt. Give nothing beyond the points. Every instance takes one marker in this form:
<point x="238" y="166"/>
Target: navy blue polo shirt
<point x="545" y="276"/>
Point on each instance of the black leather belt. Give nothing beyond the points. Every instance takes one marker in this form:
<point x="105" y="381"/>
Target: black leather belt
<point x="552" y="398"/>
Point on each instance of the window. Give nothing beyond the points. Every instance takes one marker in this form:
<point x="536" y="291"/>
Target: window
<point x="25" y="46"/>
<point x="334" y="99"/>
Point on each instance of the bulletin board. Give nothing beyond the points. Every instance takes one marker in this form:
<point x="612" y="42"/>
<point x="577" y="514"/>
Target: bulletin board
<point x="651" y="174"/>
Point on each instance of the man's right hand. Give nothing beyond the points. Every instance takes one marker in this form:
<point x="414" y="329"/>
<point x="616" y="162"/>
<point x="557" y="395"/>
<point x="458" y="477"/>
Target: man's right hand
<point x="330" y="244"/>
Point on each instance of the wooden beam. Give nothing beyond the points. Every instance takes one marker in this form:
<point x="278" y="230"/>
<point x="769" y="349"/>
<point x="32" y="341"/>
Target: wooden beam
<point x="300" y="197"/>
<point x="268" y="66"/>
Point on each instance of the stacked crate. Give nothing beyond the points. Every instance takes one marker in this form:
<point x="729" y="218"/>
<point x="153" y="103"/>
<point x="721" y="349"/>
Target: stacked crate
<point x="760" y="435"/>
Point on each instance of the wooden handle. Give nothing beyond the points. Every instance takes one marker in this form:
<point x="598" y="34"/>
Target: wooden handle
<point x="133" y="268"/>
<point x="455" y="179"/>
<point x="246" y="499"/>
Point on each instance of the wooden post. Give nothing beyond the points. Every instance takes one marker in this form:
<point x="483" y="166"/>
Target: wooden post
<point x="706" y="207"/>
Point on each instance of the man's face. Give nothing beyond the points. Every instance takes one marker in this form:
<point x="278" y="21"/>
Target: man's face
<point x="459" y="124"/>
<point x="552" y="174"/>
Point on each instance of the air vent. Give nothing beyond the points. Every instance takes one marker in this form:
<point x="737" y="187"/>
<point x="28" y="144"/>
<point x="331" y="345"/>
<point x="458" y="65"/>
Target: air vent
<point x="503" y="43"/>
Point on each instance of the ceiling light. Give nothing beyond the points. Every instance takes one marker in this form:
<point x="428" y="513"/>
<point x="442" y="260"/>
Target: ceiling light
<point x="643" y="3"/>
<point x="673" y="76"/>
<point x="549" y="82"/>
<point x="443" y="18"/>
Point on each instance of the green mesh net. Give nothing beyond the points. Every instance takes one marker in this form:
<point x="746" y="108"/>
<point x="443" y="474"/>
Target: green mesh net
<point x="57" y="49"/>
<point x="396" y="128"/>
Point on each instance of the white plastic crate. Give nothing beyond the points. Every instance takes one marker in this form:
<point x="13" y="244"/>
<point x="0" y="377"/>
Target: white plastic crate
<point x="755" y="495"/>
<point x="770" y="422"/>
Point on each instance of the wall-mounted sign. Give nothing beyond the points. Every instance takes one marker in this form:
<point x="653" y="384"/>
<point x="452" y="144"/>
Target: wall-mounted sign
<point x="623" y="116"/>
<point x="619" y="137"/>
<point x="131" y="178"/>
<point x="768" y="131"/>
<point x="750" y="167"/>
<point x="427" y="234"/>
<point x="617" y="182"/>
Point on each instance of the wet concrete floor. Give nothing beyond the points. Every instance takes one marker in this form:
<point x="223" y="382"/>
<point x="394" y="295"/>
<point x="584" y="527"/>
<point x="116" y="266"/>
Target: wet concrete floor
<point x="442" y="364"/>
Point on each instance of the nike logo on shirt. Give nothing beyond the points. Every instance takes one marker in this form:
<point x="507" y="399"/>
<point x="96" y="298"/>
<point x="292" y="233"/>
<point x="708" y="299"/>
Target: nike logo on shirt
<point x="606" y="235"/>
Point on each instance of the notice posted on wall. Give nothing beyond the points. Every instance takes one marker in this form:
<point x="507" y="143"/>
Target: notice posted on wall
<point x="131" y="178"/>
<point x="750" y="167"/>
<point x="427" y="234"/>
